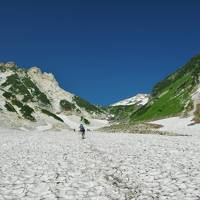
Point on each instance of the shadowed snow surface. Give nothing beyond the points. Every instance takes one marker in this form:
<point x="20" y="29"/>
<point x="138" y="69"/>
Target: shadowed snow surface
<point x="59" y="165"/>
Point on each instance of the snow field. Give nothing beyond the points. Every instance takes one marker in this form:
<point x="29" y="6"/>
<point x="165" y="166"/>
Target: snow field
<point x="60" y="165"/>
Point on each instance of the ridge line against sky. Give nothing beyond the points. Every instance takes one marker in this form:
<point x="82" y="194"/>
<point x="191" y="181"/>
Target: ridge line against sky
<point x="103" y="51"/>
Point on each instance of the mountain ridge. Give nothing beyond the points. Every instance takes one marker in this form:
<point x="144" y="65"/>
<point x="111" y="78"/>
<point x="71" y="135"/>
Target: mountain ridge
<point x="173" y="96"/>
<point x="30" y="94"/>
<point x="139" y="99"/>
<point x="176" y="95"/>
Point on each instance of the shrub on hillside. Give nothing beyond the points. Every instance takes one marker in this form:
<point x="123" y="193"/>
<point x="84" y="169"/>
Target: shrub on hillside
<point x="85" y="121"/>
<point x="9" y="107"/>
<point x="51" y="115"/>
<point x="66" y="105"/>
<point x="86" y="105"/>
<point x="27" y="112"/>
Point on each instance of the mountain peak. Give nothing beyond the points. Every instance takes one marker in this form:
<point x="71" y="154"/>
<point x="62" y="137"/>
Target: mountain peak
<point x="35" y="96"/>
<point x="9" y="64"/>
<point x="139" y="99"/>
<point x="35" y="70"/>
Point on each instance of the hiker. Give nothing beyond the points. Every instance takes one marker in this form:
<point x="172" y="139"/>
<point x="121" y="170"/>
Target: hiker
<point x="82" y="130"/>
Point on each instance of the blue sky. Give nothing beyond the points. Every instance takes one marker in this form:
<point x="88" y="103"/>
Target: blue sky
<point x="102" y="50"/>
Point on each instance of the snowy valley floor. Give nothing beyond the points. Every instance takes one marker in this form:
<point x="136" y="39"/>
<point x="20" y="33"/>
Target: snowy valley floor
<point x="59" y="165"/>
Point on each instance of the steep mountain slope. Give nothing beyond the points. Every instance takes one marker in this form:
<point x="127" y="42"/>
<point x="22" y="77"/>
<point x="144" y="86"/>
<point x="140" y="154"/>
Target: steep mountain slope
<point x="122" y="110"/>
<point x="139" y="99"/>
<point x="174" y="95"/>
<point x="35" y="96"/>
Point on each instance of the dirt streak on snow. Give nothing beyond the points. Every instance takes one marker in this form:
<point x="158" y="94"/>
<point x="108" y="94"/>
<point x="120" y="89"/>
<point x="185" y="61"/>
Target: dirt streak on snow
<point x="59" y="165"/>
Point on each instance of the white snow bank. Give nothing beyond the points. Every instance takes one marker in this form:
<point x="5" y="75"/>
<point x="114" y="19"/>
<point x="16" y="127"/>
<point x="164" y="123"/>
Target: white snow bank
<point x="105" y="166"/>
<point x="139" y="99"/>
<point x="179" y="125"/>
<point x="73" y="122"/>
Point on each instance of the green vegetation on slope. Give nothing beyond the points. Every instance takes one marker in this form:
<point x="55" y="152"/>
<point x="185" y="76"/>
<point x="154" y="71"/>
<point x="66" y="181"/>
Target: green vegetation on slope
<point x="66" y="105"/>
<point x="25" y="110"/>
<point x="10" y="107"/>
<point x="8" y="95"/>
<point x="51" y="115"/>
<point x="20" y="90"/>
<point x="86" y="105"/>
<point x="17" y="87"/>
<point x="24" y="86"/>
<point x="35" y="92"/>
<point x="192" y="68"/>
<point x="122" y="112"/>
<point x="2" y="69"/>
<point x="172" y="95"/>
<point x="84" y="120"/>
<point x="21" y="86"/>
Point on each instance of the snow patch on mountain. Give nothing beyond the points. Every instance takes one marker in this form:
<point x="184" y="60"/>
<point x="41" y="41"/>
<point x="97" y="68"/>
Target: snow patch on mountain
<point x="73" y="121"/>
<point x="139" y="99"/>
<point x="179" y="125"/>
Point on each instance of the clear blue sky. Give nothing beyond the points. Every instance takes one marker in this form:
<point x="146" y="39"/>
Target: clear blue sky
<point x="102" y="50"/>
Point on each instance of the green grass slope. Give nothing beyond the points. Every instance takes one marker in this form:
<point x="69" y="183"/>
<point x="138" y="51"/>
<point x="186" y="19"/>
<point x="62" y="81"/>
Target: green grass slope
<point x="122" y="112"/>
<point x="90" y="108"/>
<point x="171" y="96"/>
